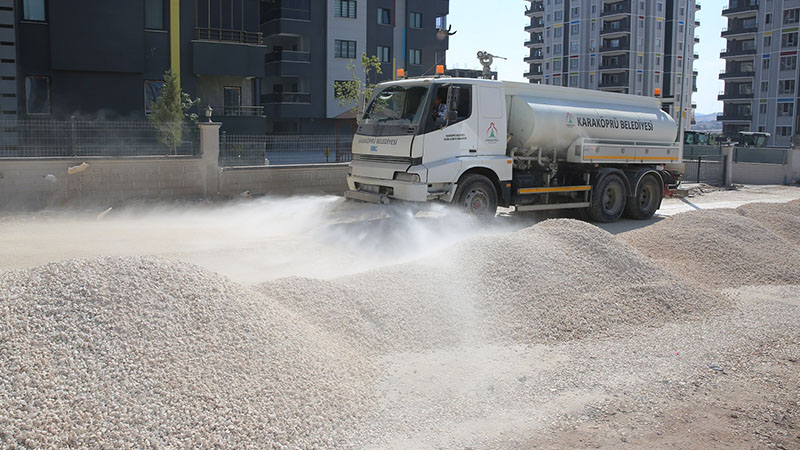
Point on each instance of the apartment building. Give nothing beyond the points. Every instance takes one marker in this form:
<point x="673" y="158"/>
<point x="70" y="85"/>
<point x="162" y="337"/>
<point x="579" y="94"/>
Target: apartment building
<point x="311" y="42"/>
<point x="761" y="71"/>
<point x="261" y="65"/>
<point x="95" y="59"/>
<point x="629" y="46"/>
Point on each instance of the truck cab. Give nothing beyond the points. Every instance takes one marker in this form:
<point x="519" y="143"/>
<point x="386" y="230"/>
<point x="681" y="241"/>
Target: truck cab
<point x="417" y="136"/>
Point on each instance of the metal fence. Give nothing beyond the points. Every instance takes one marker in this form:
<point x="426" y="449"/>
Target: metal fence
<point x="280" y="149"/>
<point x="708" y="169"/>
<point x="761" y="155"/>
<point x="70" y="138"/>
<point x="691" y="151"/>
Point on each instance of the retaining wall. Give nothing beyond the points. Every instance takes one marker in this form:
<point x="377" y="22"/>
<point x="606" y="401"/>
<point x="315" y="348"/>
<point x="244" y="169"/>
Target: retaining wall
<point x="757" y="173"/>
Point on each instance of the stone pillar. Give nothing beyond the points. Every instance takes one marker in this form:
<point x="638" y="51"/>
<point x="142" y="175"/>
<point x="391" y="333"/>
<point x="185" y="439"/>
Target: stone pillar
<point x="727" y="160"/>
<point x="209" y="150"/>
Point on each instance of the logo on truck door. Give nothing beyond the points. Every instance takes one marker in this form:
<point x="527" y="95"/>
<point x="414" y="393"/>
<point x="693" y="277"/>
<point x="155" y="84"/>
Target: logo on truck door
<point x="492" y="131"/>
<point x="570" y="120"/>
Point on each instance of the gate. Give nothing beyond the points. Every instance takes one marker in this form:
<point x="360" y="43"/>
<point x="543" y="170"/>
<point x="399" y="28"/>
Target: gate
<point x="709" y="169"/>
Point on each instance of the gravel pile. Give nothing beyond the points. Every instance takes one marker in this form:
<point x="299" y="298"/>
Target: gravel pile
<point x="147" y="352"/>
<point x="782" y="219"/>
<point x="558" y="280"/>
<point x="724" y="248"/>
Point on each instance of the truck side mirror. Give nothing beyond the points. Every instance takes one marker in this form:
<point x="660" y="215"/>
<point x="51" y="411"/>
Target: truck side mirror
<point x="453" y="92"/>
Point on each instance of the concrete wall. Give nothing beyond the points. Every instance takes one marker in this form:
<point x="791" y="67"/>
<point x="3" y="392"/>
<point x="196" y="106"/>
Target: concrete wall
<point x="286" y="180"/>
<point x="35" y="183"/>
<point x="755" y="173"/>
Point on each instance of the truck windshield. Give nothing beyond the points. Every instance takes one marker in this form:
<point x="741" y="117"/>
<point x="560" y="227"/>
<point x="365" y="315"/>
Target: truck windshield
<point x="396" y="105"/>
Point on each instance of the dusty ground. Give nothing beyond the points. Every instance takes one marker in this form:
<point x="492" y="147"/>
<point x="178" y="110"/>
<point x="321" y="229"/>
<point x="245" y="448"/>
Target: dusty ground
<point x="726" y="380"/>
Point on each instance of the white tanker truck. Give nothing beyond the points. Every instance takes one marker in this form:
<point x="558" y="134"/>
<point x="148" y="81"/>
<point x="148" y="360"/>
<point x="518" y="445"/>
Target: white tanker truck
<point x="527" y="146"/>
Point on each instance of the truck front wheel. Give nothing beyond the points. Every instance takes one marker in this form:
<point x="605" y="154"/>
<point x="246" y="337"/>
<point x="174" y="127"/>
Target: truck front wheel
<point x="608" y="199"/>
<point x="477" y="195"/>
<point x="646" y="201"/>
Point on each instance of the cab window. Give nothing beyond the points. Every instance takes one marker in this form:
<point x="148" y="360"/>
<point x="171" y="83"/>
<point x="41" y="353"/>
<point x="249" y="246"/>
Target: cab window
<point x="438" y="108"/>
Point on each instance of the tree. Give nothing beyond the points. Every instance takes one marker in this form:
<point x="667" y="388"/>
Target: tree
<point x="170" y="111"/>
<point x="356" y="92"/>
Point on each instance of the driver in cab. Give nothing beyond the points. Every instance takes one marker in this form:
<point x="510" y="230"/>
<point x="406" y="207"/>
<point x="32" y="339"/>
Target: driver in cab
<point x="439" y="109"/>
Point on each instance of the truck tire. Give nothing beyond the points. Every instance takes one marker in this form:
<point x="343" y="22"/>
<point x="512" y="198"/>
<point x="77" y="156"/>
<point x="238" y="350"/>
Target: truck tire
<point x="608" y="200"/>
<point x="646" y="200"/>
<point x="477" y="195"/>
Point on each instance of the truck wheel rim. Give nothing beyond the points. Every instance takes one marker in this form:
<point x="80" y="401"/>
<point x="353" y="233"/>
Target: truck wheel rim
<point x="477" y="201"/>
<point x="646" y="197"/>
<point x="612" y="199"/>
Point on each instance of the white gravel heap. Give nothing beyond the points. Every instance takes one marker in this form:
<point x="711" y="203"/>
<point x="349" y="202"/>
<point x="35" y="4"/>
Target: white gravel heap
<point x="782" y="219"/>
<point x="724" y="247"/>
<point x="147" y="352"/>
<point x="558" y="280"/>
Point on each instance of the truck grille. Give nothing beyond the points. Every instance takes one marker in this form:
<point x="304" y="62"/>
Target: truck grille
<point x="387" y="159"/>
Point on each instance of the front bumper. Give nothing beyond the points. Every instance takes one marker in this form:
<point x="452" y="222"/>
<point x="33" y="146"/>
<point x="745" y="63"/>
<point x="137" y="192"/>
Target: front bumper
<point x="375" y="189"/>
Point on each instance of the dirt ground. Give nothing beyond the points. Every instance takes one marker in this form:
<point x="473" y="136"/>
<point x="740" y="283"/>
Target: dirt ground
<point x="730" y="379"/>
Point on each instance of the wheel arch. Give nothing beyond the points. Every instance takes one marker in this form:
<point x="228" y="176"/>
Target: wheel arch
<point x="503" y="192"/>
<point x="635" y="179"/>
<point x="606" y="171"/>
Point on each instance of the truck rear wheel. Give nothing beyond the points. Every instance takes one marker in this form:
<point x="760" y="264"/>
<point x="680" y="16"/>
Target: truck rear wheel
<point x="646" y="201"/>
<point x="477" y="195"/>
<point x="608" y="199"/>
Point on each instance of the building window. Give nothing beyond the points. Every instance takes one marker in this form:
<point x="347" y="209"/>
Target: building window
<point x="768" y="18"/>
<point x="557" y="49"/>
<point x="574" y="47"/>
<point x="783" y="131"/>
<point x="154" y="14"/>
<point x="37" y="95"/>
<point x="573" y="63"/>
<point x="384" y="16"/>
<point x="558" y="16"/>
<point x="33" y="10"/>
<point x="574" y="30"/>
<point x="557" y="65"/>
<point x="414" y="20"/>
<point x="576" y="11"/>
<point x="341" y="88"/>
<point x="790" y="16"/>
<point x="789" y="62"/>
<point x="345" y="8"/>
<point x="558" y="32"/>
<point x="764" y="86"/>
<point x="441" y="22"/>
<point x="344" y="49"/>
<point x="152" y="89"/>
<point x="785" y="86"/>
<point x="765" y="63"/>
<point x="789" y="40"/>
<point x="415" y="56"/>
<point x="573" y="81"/>
<point x="785" y="109"/>
<point x="232" y="100"/>
<point x="767" y="42"/>
<point x="385" y="54"/>
<point x="762" y="108"/>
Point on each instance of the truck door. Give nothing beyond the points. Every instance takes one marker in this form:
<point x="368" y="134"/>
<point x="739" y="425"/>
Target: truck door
<point x="492" y="124"/>
<point x="445" y="141"/>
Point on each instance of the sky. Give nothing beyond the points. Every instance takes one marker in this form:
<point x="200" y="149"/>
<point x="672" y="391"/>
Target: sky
<point x="498" y="27"/>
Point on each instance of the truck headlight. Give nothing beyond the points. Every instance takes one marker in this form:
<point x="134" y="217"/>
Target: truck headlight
<point x="407" y="177"/>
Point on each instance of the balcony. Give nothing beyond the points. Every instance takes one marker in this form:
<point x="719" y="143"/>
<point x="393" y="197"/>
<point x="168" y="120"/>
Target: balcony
<point x="536" y="9"/>
<point x="735" y="116"/>
<point x="288" y="19"/>
<point x="621" y="47"/>
<point x="733" y="73"/>
<point x="235" y="111"/>
<point x="535" y="57"/>
<point x="219" y="57"/>
<point x="536" y="41"/>
<point x="733" y="95"/>
<point x="286" y="97"/>
<point x="614" y="82"/>
<point x="736" y="52"/>
<point x="739" y="30"/>
<point x="623" y="26"/>
<point x="615" y="9"/>
<point x="610" y="64"/>
<point x="740" y="7"/>
<point x="288" y="64"/>
<point x="535" y="25"/>
<point x="234" y="36"/>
